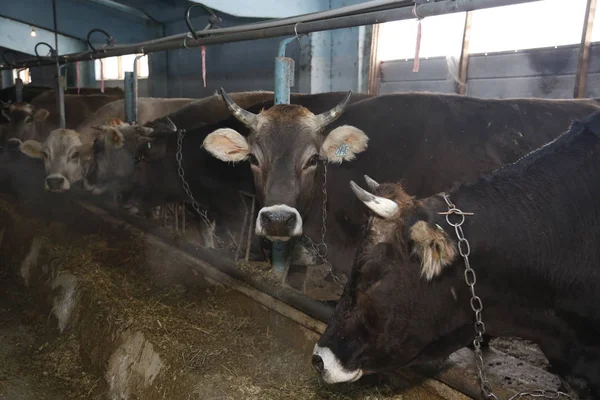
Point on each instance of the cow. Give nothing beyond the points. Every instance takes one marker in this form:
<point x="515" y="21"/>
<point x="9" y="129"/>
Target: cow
<point x="61" y="150"/>
<point x="428" y="141"/>
<point x="532" y="237"/>
<point x="35" y="120"/>
<point x="155" y="179"/>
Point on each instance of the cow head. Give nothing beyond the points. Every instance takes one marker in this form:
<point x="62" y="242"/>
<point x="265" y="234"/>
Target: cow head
<point x="118" y="151"/>
<point x="399" y="305"/>
<point x="61" y="154"/>
<point x="22" y="119"/>
<point x="284" y="146"/>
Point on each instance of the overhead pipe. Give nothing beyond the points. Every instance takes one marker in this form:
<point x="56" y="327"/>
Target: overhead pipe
<point x="251" y="33"/>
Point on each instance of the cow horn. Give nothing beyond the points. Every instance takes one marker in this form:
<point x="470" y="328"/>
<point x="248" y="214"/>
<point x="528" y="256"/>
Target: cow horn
<point x="246" y="117"/>
<point x="328" y="117"/>
<point x="381" y="206"/>
<point x="371" y="183"/>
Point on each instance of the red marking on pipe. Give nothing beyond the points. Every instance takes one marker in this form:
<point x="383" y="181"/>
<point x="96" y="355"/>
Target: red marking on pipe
<point x="101" y="76"/>
<point x="78" y="77"/>
<point x="417" y="48"/>
<point x="203" y="64"/>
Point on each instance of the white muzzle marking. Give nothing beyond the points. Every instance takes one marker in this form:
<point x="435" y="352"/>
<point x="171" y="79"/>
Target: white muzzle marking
<point x="296" y="231"/>
<point x="333" y="371"/>
<point x="65" y="184"/>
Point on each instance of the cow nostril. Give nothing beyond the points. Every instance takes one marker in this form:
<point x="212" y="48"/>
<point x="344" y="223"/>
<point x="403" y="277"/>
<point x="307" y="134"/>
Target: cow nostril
<point x="55" y="181"/>
<point x="290" y="219"/>
<point x="317" y="362"/>
<point x="266" y="217"/>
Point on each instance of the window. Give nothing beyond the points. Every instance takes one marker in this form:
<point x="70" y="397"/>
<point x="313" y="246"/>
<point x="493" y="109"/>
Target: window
<point x="546" y="23"/>
<point x="23" y="74"/>
<point x="115" y="67"/>
<point x="440" y="36"/>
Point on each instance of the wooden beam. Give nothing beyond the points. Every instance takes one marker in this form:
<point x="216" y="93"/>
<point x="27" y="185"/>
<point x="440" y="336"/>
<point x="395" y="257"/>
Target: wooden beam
<point x="584" y="50"/>
<point x="463" y="65"/>
<point x="374" y="76"/>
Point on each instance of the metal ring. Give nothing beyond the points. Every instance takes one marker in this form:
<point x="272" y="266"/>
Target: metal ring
<point x="213" y="19"/>
<point x="109" y="39"/>
<point x="52" y="51"/>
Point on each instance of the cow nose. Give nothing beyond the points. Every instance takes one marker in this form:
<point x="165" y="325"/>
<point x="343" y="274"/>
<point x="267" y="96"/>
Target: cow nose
<point x="55" y="182"/>
<point x="13" y="145"/>
<point x="317" y="362"/>
<point x="285" y="218"/>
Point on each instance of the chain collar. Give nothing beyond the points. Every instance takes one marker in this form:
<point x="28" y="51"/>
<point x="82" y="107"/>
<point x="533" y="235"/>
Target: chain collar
<point x="477" y="306"/>
<point x="179" y="157"/>
<point x="321" y="248"/>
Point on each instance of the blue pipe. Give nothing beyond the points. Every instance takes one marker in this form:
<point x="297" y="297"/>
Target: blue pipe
<point x="284" y="79"/>
<point x="129" y="99"/>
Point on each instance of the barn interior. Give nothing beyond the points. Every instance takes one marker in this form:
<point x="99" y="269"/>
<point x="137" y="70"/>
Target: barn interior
<point x="105" y="301"/>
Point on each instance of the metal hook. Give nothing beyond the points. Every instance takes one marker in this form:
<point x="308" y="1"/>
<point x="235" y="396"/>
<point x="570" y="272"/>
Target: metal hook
<point x="185" y="42"/>
<point x="213" y="19"/>
<point x="11" y="65"/>
<point x="35" y="49"/>
<point x="109" y="39"/>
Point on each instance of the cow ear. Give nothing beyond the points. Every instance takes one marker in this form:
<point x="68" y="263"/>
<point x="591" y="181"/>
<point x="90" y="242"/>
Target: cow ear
<point x="115" y="138"/>
<point x="40" y="114"/>
<point x="227" y="145"/>
<point x="116" y="122"/>
<point x="344" y="143"/>
<point x="434" y="248"/>
<point x="31" y="148"/>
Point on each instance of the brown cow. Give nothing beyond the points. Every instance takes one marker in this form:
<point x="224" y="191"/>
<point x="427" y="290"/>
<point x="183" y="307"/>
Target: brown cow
<point x="61" y="150"/>
<point x="35" y="120"/>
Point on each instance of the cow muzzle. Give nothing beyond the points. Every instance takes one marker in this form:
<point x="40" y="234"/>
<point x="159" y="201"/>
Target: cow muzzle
<point x="57" y="183"/>
<point x="330" y="368"/>
<point x="279" y="222"/>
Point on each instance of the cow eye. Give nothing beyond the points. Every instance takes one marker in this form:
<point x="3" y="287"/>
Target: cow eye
<point x="253" y="160"/>
<point x="28" y="120"/>
<point x="75" y="156"/>
<point x="312" y="161"/>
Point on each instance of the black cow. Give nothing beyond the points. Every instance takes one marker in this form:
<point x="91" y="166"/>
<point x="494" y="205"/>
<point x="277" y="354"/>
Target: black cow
<point x="428" y="141"/>
<point x="534" y="246"/>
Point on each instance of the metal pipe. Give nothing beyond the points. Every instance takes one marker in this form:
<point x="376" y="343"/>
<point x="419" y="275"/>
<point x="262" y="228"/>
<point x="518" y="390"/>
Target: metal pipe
<point x="251" y="33"/>
<point x="60" y="95"/>
<point x="129" y="98"/>
<point x="19" y="89"/>
<point x="134" y="105"/>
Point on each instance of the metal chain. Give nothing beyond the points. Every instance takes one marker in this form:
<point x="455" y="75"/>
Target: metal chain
<point x="477" y="306"/>
<point x="321" y="248"/>
<point x="202" y="213"/>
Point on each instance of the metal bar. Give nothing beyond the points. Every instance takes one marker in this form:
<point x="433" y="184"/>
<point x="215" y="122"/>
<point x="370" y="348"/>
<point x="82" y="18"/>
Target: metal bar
<point x="250" y="229"/>
<point x="463" y="65"/>
<point x="346" y="21"/>
<point x="584" y="50"/>
<point x="129" y="97"/>
<point x="135" y="87"/>
<point x="374" y="66"/>
<point x="243" y="229"/>
<point x="60" y="94"/>
<point x="19" y="89"/>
